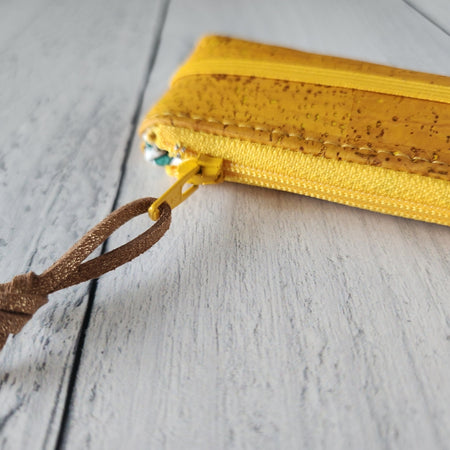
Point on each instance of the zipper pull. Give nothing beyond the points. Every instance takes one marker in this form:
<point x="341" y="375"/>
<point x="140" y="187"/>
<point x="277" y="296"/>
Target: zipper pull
<point x="194" y="171"/>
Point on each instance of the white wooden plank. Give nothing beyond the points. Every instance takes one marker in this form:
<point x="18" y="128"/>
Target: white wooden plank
<point x="70" y="77"/>
<point x="270" y="320"/>
<point x="437" y="12"/>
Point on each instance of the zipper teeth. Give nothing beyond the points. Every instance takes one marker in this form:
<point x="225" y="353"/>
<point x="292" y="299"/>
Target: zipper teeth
<point x="388" y="205"/>
<point x="405" y="83"/>
<point x="248" y="175"/>
<point x="347" y="195"/>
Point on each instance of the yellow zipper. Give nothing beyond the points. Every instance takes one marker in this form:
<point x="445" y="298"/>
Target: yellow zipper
<point x="409" y="84"/>
<point x="201" y="169"/>
<point x="210" y="159"/>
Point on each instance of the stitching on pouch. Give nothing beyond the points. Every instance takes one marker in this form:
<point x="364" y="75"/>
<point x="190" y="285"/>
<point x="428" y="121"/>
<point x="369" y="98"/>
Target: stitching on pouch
<point x="299" y="136"/>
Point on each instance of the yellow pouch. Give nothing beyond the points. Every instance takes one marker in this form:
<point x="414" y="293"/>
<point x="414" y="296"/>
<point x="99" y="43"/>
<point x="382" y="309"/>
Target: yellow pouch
<point x="360" y="134"/>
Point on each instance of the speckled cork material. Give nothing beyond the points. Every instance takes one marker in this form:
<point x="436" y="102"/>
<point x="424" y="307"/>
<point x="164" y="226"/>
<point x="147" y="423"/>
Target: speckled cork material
<point x="328" y="109"/>
<point x="395" y="132"/>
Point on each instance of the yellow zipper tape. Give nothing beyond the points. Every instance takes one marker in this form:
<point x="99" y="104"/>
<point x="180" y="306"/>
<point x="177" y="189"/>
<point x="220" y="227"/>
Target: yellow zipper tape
<point x="364" y="186"/>
<point x="382" y="84"/>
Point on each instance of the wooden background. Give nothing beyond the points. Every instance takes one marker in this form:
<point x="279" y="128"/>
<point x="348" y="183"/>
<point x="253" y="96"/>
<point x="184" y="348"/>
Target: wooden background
<point x="262" y="320"/>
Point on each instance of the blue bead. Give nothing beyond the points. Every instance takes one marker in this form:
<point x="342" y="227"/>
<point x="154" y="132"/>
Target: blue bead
<point x="163" y="160"/>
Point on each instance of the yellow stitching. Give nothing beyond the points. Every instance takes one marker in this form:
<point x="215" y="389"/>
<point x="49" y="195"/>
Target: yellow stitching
<point x="304" y="138"/>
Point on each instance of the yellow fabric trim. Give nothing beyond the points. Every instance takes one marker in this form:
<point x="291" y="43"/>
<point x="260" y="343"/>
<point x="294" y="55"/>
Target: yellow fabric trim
<point x="374" y="188"/>
<point x="316" y="75"/>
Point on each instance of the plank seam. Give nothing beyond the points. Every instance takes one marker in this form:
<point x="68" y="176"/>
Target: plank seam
<point x="64" y="425"/>
<point x="425" y="16"/>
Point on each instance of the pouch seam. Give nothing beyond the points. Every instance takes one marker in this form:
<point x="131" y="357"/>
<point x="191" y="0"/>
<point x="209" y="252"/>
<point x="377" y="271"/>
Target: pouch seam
<point x="300" y="137"/>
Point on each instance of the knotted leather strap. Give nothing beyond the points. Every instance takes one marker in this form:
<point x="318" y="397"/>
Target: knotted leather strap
<point x="22" y="296"/>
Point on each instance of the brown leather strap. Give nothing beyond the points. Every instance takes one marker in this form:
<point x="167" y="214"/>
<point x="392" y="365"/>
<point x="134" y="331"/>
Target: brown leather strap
<point x="22" y="296"/>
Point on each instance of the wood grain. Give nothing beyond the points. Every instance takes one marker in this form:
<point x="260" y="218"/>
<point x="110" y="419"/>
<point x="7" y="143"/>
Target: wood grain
<point x="262" y="319"/>
<point x="269" y="320"/>
<point x="67" y="100"/>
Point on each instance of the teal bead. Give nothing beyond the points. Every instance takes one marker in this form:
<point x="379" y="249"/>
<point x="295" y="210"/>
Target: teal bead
<point x="163" y="160"/>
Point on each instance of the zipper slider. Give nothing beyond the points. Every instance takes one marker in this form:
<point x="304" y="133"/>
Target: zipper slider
<point x="194" y="171"/>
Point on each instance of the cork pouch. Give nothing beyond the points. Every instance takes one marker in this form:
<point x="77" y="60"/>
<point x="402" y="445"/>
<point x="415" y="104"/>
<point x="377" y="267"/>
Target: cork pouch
<point x="360" y="134"/>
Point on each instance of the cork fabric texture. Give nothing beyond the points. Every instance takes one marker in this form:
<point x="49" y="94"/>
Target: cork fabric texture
<point x="367" y="127"/>
<point x="226" y="48"/>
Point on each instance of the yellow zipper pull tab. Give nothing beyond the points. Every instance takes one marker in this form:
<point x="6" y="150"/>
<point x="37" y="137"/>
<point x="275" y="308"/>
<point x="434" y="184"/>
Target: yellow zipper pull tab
<point x="194" y="171"/>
